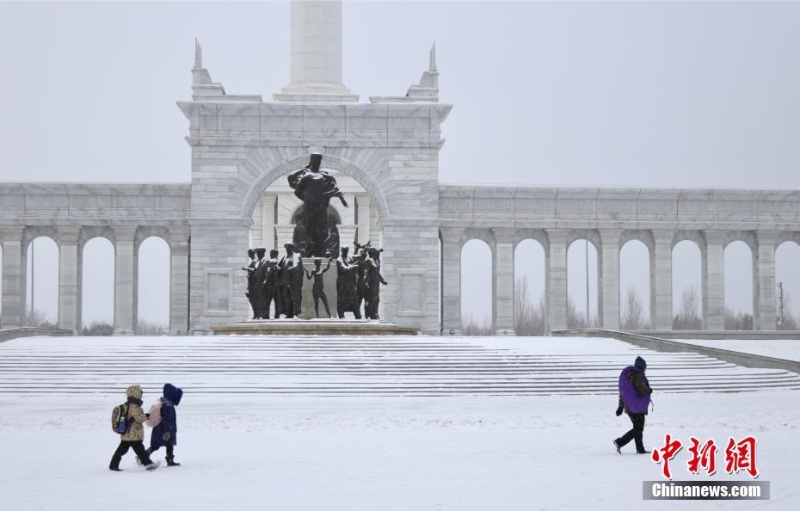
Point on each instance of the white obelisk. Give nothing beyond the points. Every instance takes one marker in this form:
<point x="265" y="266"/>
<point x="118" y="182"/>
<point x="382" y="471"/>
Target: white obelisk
<point x="316" y="54"/>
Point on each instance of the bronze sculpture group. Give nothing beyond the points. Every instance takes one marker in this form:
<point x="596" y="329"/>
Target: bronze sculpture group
<point x="280" y="281"/>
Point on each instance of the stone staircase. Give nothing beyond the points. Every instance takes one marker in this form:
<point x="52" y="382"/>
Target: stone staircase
<point x="378" y="366"/>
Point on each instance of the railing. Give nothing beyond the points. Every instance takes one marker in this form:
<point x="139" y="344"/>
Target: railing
<point x="32" y="331"/>
<point x="664" y="345"/>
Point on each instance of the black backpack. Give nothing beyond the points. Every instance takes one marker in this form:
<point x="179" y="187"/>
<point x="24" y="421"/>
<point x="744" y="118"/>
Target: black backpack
<point x="120" y="423"/>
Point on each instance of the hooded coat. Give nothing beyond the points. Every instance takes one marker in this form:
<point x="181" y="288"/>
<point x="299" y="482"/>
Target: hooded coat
<point x="634" y="390"/>
<point x="166" y="432"/>
<point x="135" y="414"/>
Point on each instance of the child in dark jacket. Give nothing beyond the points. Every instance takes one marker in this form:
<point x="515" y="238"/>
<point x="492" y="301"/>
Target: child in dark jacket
<point x="165" y="432"/>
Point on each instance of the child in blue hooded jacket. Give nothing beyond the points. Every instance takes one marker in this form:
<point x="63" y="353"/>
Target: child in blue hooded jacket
<point x="165" y="432"/>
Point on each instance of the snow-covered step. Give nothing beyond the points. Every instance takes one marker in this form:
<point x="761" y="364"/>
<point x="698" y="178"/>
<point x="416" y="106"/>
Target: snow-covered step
<point x="408" y="366"/>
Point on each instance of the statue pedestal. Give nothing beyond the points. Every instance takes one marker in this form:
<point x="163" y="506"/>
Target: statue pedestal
<point x="316" y="327"/>
<point x="329" y="278"/>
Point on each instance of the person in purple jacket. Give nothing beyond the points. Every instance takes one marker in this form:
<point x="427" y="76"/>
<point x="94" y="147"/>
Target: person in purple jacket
<point x="634" y="398"/>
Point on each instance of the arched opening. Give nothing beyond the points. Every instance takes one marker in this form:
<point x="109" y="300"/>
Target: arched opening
<point x="687" y="286"/>
<point x="476" y="288"/>
<point x="787" y="281"/>
<point x="529" y="288"/>
<point x="154" y="287"/>
<point x="738" y="269"/>
<point x="42" y="282"/>
<point x="97" y="287"/>
<point x="582" y="284"/>
<point x="634" y="286"/>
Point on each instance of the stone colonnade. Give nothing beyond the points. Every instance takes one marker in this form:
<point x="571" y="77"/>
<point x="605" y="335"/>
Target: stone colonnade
<point x="71" y="240"/>
<point x="608" y="243"/>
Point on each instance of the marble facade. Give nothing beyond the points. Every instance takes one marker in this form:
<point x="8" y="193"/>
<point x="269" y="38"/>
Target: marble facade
<point x="386" y="154"/>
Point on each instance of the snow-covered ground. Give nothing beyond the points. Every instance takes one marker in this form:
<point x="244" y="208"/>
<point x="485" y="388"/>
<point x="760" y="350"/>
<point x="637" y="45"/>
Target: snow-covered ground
<point x="787" y="349"/>
<point x="283" y="451"/>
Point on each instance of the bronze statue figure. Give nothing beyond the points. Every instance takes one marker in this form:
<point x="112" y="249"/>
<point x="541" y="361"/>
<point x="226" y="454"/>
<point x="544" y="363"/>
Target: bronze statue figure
<point x="258" y="277"/>
<point x="318" y="291"/>
<point x="346" y="297"/>
<point x="374" y="281"/>
<point x="251" y="286"/>
<point x="362" y="291"/>
<point x="270" y="285"/>
<point x="290" y="282"/>
<point x="315" y="187"/>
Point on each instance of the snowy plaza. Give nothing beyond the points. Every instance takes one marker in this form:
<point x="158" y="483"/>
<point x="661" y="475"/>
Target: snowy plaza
<point x="402" y="424"/>
<point x="625" y="171"/>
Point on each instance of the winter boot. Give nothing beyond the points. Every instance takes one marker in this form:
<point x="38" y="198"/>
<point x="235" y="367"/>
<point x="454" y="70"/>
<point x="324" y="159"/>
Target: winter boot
<point x="154" y="465"/>
<point x="149" y="451"/>
<point x="171" y="462"/>
<point x="617" y="447"/>
<point x="115" y="468"/>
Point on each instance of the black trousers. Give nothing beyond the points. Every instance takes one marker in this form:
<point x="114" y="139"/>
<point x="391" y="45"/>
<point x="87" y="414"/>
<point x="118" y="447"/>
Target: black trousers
<point x="170" y="451"/>
<point x="271" y="296"/>
<point x="138" y="448"/>
<point x="635" y="433"/>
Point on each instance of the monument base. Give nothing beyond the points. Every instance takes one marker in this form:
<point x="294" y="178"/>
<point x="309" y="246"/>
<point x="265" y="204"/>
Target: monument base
<point x="296" y="326"/>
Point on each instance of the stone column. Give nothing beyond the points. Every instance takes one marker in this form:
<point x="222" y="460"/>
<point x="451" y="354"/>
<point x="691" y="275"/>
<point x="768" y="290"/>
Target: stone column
<point x="217" y="285"/>
<point x="714" y="281"/>
<point x="125" y="282"/>
<point x="765" y="310"/>
<point x="556" y="280"/>
<point x="610" y="280"/>
<point x="14" y="276"/>
<point x="70" y="273"/>
<point x="347" y="216"/>
<point x="316" y="53"/>
<point x="661" y="280"/>
<point x="285" y="235"/>
<point x="363" y="219"/>
<point x="346" y="237"/>
<point x="179" y="282"/>
<point x="268" y="222"/>
<point x="503" y="281"/>
<point x="451" y="280"/>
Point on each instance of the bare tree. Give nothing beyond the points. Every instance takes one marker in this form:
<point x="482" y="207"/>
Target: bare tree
<point x="737" y="320"/>
<point x="98" y="328"/>
<point x="789" y="322"/>
<point x="147" y="328"/>
<point x="528" y="317"/>
<point x="471" y="326"/>
<point x="632" y="314"/>
<point x="575" y="318"/>
<point x="39" y="319"/>
<point x="688" y="318"/>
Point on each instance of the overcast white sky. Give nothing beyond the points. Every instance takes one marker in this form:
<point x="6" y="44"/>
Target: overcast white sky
<point x="641" y="94"/>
